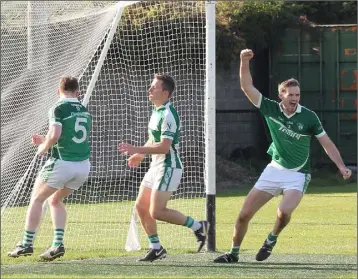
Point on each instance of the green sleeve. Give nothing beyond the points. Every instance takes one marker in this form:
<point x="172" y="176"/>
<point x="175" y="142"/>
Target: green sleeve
<point x="55" y="115"/>
<point x="316" y="127"/>
<point x="268" y="107"/>
<point x="169" y="127"/>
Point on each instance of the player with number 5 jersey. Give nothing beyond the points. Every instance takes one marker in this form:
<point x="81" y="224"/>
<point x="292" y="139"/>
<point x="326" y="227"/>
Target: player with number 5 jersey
<point x="66" y="169"/>
<point x="73" y="144"/>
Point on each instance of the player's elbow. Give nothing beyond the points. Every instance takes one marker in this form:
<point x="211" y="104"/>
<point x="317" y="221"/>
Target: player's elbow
<point x="326" y="143"/>
<point x="55" y="137"/>
<point x="249" y="91"/>
<point x="244" y="85"/>
<point x="164" y="149"/>
<point x="330" y="148"/>
<point x="55" y="133"/>
<point x="165" y="146"/>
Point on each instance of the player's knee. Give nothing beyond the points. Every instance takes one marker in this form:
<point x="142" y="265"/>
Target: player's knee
<point x="283" y="213"/>
<point x="38" y="199"/>
<point x="54" y="201"/>
<point x="244" y="217"/>
<point x="156" y="213"/>
<point x="141" y="208"/>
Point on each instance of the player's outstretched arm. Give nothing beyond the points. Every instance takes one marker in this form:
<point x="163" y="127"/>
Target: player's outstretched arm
<point x="162" y="147"/>
<point x="136" y="159"/>
<point x="245" y="77"/>
<point x="334" y="155"/>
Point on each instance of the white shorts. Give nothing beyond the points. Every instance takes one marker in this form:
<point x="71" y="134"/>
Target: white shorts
<point x="276" y="180"/>
<point x="59" y="174"/>
<point x="163" y="179"/>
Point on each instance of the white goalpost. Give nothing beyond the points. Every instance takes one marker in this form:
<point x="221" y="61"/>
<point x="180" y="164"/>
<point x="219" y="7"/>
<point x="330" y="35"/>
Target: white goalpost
<point x="114" y="48"/>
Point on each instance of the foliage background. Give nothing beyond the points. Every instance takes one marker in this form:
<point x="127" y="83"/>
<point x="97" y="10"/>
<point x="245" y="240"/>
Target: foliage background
<point x="261" y="24"/>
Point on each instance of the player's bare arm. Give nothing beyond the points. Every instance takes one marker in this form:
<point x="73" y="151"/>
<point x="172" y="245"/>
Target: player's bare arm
<point x="51" y="138"/>
<point x="136" y="159"/>
<point x="334" y="155"/>
<point x="161" y="147"/>
<point x="245" y="77"/>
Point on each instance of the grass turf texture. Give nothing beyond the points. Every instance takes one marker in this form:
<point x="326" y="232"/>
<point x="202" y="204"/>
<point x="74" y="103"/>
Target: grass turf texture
<point x="320" y="242"/>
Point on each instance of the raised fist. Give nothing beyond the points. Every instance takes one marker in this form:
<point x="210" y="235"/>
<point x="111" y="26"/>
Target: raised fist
<point x="246" y="54"/>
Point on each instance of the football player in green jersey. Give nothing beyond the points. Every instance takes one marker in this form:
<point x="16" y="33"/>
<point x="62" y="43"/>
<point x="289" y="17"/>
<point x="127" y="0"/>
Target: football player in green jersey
<point x="291" y="127"/>
<point x="65" y="171"/>
<point x="165" y="172"/>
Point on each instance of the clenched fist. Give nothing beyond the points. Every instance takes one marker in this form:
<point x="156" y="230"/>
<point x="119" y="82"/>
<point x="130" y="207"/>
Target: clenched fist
<point x="246" y="54"/>
<point x="37" y="139"/>
<point x="346" y="172"/>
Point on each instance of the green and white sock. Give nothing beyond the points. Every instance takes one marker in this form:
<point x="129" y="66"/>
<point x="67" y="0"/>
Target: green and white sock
<point x="271" y="239"/>
<point x="192" y="224"/>
<point x="154" y="242"/>
<point x="28" y="238"/>
<point x="235" y="250"/>
<point x="58" y="237"/>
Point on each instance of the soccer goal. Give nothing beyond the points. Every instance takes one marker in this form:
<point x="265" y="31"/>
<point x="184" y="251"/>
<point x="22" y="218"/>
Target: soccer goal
<point x="114" y="48"/>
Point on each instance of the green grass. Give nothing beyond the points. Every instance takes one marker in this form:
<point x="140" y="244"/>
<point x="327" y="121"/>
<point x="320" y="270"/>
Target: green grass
<point x="192" y="266"/>
<point x="320" y="242"/>
<point x="97" y="230"/>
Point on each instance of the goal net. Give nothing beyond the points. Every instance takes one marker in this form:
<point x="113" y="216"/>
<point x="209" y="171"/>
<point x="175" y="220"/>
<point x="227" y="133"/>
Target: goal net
<point x="44" y="40"/>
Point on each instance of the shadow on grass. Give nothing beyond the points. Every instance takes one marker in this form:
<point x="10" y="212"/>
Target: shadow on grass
<point x="195" y="266"/>
<point x="245" y="265"/>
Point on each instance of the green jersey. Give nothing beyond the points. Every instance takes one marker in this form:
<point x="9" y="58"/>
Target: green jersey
<point x="165" y="123"/>
<point x="291" y="135"/>
<point x="73" y="144"/>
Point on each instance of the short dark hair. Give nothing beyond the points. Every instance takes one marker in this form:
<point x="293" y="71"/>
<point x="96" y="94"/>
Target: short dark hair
<point x="69" y="84"/>
<point x="168" y="82"/>
<point x="287" y="83"/>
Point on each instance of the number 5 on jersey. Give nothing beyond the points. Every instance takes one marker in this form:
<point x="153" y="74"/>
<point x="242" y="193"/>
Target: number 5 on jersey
<point x="79" y="127"/>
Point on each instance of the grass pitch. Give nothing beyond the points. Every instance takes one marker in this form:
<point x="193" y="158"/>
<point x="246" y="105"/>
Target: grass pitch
<point x="320" y="242"/>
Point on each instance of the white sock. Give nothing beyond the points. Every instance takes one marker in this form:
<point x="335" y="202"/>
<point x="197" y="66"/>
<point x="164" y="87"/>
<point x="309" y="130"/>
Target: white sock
<point x="196" y="225"/>
<point x="155" y="245"/>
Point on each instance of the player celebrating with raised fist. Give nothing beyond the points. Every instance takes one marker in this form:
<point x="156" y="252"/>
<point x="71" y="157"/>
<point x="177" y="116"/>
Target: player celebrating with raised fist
<point x="291" y="127"/>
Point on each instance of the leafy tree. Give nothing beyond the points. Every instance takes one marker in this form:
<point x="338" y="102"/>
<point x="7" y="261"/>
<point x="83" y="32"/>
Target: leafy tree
<point x="261" y="24"/>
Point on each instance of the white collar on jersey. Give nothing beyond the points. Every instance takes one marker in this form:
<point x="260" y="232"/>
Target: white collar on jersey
<point x="298" y="110"/>
<point x="65" y="99"/>
<point x="163" y="105"/>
